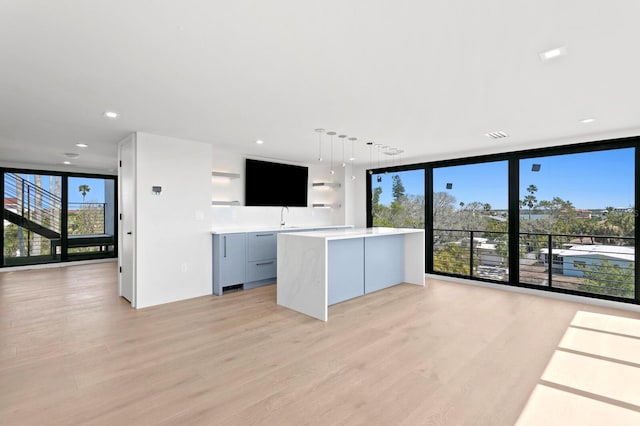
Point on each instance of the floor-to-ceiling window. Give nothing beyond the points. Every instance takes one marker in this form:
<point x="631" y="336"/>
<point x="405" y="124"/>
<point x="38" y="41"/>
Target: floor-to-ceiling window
<point x="52" y="217"/>
<point x="91" y="212"/>
<point x="397" y="199"/>
<point x="470" y="220"/>
<point x="560" y="219"/>
<point x="32" y="218"/>
<point x="577" y="221"/>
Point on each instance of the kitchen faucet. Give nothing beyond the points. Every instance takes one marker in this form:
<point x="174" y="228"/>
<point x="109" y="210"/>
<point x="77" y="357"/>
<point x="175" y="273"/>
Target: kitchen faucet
<point x="282" y="215"/>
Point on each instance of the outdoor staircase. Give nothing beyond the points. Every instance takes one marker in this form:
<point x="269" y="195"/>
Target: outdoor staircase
<point x="30" y="225"/>
<point x="31" y="207"/>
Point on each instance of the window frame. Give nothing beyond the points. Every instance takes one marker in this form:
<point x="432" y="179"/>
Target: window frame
<point x="513" y="158"/>
<point x="64" y="188"/>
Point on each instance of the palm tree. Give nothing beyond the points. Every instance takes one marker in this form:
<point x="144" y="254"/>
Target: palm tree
<point x="530" y="200"/>
<point x="83" y="190"/>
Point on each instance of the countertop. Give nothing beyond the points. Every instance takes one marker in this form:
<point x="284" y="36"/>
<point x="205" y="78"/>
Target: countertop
<point x="355" y="233"/>
<point x="291" y="228"/>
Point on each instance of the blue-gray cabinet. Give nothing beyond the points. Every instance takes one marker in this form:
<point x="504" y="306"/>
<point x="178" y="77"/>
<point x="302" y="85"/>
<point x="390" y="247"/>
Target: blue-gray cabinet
<point x="262" y="251"/>
<point x="361" y="266"/>
<point x="262" y="245"/>
<point x="345" y="268"/>
<point x="247" y="258"/>
<point x="384" y="262"/>
<point x="229" y="260"/>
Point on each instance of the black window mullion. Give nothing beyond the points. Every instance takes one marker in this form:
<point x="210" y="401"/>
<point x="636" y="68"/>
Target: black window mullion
<point x="2" y="171"/>
<point x="428" y="218"/>
<point x="64" y="219"/>
<point x="636" y="231"/>
<point x="514" y="220"/>
<point x="369" y="201"/>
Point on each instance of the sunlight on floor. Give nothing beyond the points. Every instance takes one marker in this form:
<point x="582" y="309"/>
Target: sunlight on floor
<point x="593" y="377"/>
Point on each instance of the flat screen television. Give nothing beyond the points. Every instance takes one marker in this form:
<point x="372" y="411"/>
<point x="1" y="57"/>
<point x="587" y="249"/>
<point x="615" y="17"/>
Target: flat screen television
<point x="275" y="184"/>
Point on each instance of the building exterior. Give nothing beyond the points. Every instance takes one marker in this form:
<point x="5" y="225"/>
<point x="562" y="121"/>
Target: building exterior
<point x="574" y="260"/>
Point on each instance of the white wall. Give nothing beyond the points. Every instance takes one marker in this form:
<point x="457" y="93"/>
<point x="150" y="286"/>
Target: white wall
<point x="232" y="189"/>
<point x="173" y="229"/>
<point x="357" y="198"/>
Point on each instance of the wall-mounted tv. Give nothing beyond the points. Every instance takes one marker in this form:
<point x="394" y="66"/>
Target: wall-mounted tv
<point x="275" y="184"/>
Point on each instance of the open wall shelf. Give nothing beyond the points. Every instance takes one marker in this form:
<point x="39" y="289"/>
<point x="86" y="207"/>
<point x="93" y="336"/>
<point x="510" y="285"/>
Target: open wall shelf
<point x="326" y="184"/>
<point x="333" y="206"/>
<point x="226" y="174"/>
<point x="225" y="203"/>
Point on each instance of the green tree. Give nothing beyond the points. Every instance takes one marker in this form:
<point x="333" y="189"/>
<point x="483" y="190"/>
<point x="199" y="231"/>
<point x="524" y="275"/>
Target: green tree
<point x="623" y="222"/>
<point x="443" y="209"/>
<point x="397" y="188"/>
<point x="609" y="278"/>
<point x="381" y="213"/>
<point x="530" y="200"/>
<point x="453" y="259"/>
<point x="84" y="189"/>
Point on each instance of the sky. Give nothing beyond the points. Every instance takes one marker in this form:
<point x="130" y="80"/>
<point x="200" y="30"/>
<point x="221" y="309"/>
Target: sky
<point x="96" y="193"/>
<point x="96" y="186"/>
<point x="592" y="180"/>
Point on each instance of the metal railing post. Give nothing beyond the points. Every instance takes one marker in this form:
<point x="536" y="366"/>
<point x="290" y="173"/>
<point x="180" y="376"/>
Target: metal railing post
<point x="471" y="254"/>
<point x="550" y="259"/>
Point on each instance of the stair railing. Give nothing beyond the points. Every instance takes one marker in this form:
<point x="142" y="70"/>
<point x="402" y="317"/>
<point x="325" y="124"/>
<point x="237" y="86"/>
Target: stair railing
<point x="32" y="202"/>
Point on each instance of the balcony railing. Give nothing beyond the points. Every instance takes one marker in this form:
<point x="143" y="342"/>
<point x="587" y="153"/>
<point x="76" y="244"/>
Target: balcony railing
<point x="595" y="264"/>
<point x="86" y="218"/>
<point x="471" y="253"/>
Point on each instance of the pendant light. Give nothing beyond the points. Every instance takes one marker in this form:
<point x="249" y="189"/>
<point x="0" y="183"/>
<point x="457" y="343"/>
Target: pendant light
<point x="331" y="134"/>
<point x="378" y="145"/>
<point x="343" y="138"/>
<point x="352" y="158"/>
<point x="320" y="132"/>
<point x="384" y="149"/>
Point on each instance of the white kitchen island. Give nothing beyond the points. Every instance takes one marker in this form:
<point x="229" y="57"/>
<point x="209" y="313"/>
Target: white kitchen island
<point x="317" y="269"/>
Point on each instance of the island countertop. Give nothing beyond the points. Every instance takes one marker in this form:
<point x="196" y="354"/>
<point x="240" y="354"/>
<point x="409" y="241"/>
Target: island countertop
<point x="341" y="234"/>
<point x="288" y="228"/>
<point x="320" y="268"/>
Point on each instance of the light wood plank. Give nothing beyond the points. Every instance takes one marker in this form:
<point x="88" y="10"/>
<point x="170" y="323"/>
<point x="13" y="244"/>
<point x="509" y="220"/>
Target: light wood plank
<point x="73" y="352"/>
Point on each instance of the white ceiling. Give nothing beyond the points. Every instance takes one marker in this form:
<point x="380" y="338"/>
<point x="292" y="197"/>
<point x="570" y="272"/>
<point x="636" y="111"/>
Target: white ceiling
<point x="430" y="77"/>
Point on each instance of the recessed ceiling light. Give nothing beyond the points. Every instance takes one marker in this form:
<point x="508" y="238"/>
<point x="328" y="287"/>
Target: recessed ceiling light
<point x="553" y="53"/>
<point x="587" y="120"/>
<point x="496" y="135"/>
<point x="82" y="145"/>
<point x="259" y="142"/>
<point x="111" y="114"/>
<point x="66" y="162"/>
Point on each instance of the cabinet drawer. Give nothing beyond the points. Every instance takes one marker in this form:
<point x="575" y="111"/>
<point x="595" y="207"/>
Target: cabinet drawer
<point x="261" y="270"/>
<point x="261" y="246"/>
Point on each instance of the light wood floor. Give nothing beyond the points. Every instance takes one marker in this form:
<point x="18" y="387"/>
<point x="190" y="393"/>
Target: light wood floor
<point x="72" y="351"/>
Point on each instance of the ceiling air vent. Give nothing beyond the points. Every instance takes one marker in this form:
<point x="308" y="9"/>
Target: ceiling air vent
<point x="496" y="135"/>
